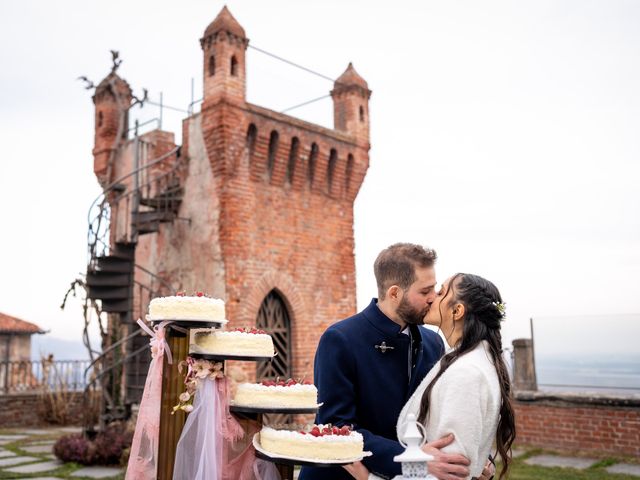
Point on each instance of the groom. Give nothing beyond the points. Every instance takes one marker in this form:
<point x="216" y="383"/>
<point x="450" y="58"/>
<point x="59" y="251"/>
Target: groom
<point x="367" y="366"/>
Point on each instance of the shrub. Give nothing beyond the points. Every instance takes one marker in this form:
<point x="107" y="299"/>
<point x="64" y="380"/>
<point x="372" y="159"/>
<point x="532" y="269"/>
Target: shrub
<point x="105" y="449"/>
<point x="73" y="448"/>
<point x="111" y="443"/>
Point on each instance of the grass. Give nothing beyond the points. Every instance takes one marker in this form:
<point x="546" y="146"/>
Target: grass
<point x="521" y="471"/>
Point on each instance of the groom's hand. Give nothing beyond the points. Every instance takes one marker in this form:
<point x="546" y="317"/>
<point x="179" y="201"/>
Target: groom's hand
<point x="357" y="470"/>
<point x="446" y="466"/>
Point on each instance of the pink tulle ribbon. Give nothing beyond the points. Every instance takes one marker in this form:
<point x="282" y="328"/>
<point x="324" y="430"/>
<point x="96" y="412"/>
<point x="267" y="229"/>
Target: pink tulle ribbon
<point x="229" y="426"/>
<point x="143" y="459"/>
<point x="210" y="446"/>
<point x="158" y="341"/>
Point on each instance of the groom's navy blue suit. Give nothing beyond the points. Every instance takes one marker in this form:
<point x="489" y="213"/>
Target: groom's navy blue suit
<point x="363" y="386"/>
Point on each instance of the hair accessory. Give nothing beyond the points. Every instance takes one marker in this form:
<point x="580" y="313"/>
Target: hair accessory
<point x="502" y="308"/>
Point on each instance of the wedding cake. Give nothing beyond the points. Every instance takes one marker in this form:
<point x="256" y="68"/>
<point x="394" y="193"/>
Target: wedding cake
<point x="277" y="394"/>
<point x="182" y="307"/>
<point x="316" y="442"/>
<point x="241" y="342"/>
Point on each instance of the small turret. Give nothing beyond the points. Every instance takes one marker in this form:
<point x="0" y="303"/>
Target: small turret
<point x="112" y="99"/>
<point x="223" y="45"/>
<point x="351" y="104"/>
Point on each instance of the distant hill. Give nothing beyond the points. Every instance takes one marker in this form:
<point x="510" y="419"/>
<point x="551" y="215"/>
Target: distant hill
<point x="62" y="349"/>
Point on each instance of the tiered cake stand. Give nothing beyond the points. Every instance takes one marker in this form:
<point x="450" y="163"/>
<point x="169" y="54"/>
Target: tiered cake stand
<point x="177" y="337"/>
<point x="285" y="466"/>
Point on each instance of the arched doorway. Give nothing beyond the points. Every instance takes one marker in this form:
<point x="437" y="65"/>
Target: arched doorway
<point x="274" y="318"/>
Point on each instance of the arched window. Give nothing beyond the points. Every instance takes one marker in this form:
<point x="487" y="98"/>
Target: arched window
<point x="100" y="119"/>
<point x="273" y="317"/>
<point x="234" y="66"/>
<point x="252" y="134"/>
<point x="348" y="173"/>
<point x="331" y="168"/>
<point x="361" y="113"/>
<point x="293" y="158"/>
<point x="313" y="159"/>
<point x="212" y="66"/>
<point x="273" y="149"/>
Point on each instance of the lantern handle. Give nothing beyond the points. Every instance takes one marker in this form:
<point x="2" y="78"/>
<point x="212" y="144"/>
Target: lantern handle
<point x="421" y="428"/>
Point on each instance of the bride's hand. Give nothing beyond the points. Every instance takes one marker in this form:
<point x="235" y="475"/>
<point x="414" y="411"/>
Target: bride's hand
<point x="488" y="472"/>
<point x="446" y="466"/>
<point x="357" y="470"/>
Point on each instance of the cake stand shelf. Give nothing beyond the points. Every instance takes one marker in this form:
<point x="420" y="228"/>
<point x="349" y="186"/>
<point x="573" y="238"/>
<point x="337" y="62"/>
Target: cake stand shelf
<point x="292" y="463"/>
<point x="254" y="413"/>
<point x="182" y="326"/>
<point x="220" y="358"/>
<point x="285" y="411"/>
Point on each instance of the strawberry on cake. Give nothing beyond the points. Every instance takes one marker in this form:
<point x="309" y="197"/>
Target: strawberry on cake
<point x="315" y="442"/>
<point x="277" y="394"/>
<point x="241" y="342"/>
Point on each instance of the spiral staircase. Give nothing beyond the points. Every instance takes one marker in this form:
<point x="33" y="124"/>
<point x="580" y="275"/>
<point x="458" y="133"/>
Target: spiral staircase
<point x="135" y="204"/>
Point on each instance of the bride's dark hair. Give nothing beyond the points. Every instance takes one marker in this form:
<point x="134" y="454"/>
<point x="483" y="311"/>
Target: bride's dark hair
<point x="482" y="319"/>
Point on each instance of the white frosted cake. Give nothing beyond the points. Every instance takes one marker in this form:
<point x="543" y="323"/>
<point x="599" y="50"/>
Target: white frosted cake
<point x="281" y="394"/>
<point x="246" y="342"/>
<point x="321" y="442"/>
<point x="182" y="307"/>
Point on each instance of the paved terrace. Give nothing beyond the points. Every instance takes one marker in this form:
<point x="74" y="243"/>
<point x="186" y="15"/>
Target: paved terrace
<point x="27" y="453"/>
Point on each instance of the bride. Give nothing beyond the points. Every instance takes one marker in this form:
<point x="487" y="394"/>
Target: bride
<point x="467" y="393"/>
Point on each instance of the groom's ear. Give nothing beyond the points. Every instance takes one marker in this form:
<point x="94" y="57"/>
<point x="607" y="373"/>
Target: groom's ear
<point x="395" y="293"/>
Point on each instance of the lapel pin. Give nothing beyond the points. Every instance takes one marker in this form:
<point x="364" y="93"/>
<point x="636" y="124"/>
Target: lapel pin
<point x="383" y="347"/>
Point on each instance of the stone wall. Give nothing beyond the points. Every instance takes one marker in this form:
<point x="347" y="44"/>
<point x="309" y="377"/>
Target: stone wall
<point x="597" y="424"/>
<point x="30" y="410"/>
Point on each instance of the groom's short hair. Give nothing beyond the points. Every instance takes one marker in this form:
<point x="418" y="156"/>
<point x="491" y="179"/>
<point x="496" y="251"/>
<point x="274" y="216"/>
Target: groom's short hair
<point x="396" y="265"/>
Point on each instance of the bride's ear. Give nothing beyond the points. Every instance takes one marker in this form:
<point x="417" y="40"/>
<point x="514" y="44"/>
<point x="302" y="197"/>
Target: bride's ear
<point x="458" y="312"/>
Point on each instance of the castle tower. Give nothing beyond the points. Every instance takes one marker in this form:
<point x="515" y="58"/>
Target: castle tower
<point x="351" y="104"/>
<point x="269" y="199"/>
<point x="223" y="44"/>
<point x="112" y="99"/>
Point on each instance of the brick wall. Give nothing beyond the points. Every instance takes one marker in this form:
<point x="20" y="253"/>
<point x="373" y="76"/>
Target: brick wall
<point x="28" y="410"/>
<point x="579" y="423"/>
<point x="284" y="231"/>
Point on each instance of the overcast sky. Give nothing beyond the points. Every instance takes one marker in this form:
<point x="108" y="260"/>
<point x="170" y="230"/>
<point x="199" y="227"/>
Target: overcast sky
<point x="505" y="134"/>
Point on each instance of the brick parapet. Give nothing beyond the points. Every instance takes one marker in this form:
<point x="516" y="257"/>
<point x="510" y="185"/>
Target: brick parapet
<point x="28" y="409"/>
<point x="596" y="424"/>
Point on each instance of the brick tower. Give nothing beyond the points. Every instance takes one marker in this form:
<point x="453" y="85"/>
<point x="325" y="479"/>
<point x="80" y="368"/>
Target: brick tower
<point x="269" y="203"/>
<point x="111" y="99"/>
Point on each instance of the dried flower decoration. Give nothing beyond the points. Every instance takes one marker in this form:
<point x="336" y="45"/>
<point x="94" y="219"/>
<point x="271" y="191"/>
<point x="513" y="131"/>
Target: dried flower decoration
<point x="501" y="307"/>
<point x="198" y="370"/>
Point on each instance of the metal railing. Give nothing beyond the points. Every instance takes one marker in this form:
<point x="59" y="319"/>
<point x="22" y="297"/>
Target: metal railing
<point x="123" y="194"/>
<point x="23" y="376"/>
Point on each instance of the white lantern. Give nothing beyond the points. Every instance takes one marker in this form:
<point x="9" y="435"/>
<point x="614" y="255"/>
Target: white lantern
<point x="414" y="459"/>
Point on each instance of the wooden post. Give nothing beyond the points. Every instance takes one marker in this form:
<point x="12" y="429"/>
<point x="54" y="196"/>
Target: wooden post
<point x="172" y="387"/>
